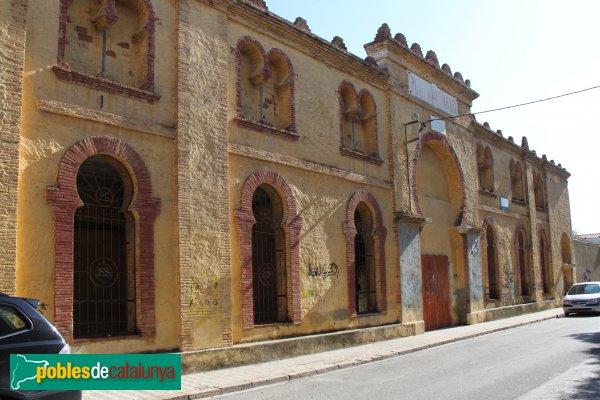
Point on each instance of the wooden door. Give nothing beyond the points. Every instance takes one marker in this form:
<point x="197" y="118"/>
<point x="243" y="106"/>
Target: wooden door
<point x="436" y="292"/>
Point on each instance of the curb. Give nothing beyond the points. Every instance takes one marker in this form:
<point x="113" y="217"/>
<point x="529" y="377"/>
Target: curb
<point x="226" y="389"/>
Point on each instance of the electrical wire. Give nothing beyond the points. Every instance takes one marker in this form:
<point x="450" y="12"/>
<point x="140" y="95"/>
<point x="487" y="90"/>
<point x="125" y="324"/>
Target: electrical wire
<point x="422" y="124"/>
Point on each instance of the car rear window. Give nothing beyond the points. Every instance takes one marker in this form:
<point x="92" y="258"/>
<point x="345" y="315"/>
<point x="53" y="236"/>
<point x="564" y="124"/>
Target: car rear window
<point x="10" y="320"/>
<point x="589" y="288"/>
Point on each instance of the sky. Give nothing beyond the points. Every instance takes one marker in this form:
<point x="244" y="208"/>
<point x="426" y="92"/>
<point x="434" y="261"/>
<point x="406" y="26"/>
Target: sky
<point x="513" y="51"/>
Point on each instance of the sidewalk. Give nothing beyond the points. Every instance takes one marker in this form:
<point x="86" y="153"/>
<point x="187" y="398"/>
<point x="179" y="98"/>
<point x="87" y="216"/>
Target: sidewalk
<point x="216" y="382"/>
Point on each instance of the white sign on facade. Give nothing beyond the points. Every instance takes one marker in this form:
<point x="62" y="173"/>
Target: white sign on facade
<point x="431" y="94"/>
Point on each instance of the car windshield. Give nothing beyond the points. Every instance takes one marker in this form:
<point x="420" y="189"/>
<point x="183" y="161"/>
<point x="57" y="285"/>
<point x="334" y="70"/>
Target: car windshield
<point x="588" y="288"/>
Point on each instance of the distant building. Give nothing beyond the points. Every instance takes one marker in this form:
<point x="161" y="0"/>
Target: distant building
<point x="591" y="237"/>
<point x="587" y="254"/>
<point x="198" y="174"/>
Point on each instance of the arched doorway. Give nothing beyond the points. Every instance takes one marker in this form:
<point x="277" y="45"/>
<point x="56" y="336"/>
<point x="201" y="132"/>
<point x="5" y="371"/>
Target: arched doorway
<point x="365" y="278"/>
<point x="491" y="261"/>
<point x="269" y="270"/>
<point x="439" y="199"/>
<point x="104" y="274"/>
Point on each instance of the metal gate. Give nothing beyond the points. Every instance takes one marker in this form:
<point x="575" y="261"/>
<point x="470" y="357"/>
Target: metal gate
<point x="436" y="292"/>
<point x="100" y="281"/>
<point x="264" y="273"/>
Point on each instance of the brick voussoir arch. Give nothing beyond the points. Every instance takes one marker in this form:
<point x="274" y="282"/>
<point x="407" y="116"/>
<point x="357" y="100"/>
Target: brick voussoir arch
<point x="345" y="84"/>
<point x="489" y="222"/>
<point x="380" y="232"/>
<point x="237" y="52"/>
<point x="292" y="224"/>
<point x="549" y="270"/>
<point x="275" y="52"/>
<point x="527" y="254"/>
<point x="64" y="200"/>
<point x="439" y="145"/>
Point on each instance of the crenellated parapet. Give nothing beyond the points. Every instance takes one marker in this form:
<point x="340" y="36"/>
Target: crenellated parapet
<point x="484" y="131"/>
<point x="384" y="33"/>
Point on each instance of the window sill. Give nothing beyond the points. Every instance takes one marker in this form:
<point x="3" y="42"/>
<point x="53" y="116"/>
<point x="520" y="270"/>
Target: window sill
<point x="361" y="156"/>
<point x="519" y="202"/>
<point x="488" y="193"/>
<point x="104" y="84"/>
<point x="106" y="339"/>
<point x="268" y="129"/>
<point x="367" y="314"/>
<point x="540" y="209"/>
<point x="273" y="324"/>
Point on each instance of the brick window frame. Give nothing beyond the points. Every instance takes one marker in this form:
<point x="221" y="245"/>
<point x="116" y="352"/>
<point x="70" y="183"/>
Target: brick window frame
<point x="64" y="200"/>
<point x="546" y="270"/>
<point x="517" y="182"/>
<point x="380" y="234"/>
<point x="539" y="191"/>
<point x="291" y="224"/>
<point x="289" y="134"/>
<point x="527" y="255"/>
<point x="63" y="71"/>
<point x="485" y="168"/>
<point x="489" y="222"/>
<point x="345" y="150"/>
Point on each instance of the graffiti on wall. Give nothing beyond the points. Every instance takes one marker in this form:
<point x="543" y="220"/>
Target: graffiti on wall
<point x="508" y="285"/>
<point x="324" y="271"/>
<point x="204" y="300"/>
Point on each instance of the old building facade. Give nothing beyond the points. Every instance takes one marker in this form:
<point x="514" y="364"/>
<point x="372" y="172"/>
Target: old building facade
<point x="196" y="174"/>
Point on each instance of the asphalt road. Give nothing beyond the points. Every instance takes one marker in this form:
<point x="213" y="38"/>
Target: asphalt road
<point x="554" y="359"/>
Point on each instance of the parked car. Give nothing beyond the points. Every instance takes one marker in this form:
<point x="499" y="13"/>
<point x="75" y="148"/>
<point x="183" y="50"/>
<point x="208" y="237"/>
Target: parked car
<point x="23" y="330"/>
<point x="582" y="298"/>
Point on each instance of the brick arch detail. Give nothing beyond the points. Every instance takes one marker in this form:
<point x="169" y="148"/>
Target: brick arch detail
<point x="149" y="28"/>
<point x="292" y="225"/>
<point x="237" y="51"/>
<point x="367" y="93"/>
<point x="275" y="52"/>
<point x="489" y="222"/>
<point x="64" y="200"/>
<point x="543" y="233"/>
<point x="380" y="232"/>
<point x="345" y="84"/>
<point x="528" y="255"/>
<point x="566" y="253"/>
<point x="443" y="150"/>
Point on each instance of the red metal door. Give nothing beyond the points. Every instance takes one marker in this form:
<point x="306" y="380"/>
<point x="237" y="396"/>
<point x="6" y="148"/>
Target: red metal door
<point x="436" y="292"/>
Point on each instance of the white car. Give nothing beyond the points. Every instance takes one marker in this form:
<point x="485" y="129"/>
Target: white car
<point x="582" y="298"/>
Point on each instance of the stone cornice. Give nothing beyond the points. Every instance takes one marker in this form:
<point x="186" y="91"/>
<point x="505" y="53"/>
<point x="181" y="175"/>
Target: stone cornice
<point x="387" y="48"/>
<point x="281" y="30"/>
<point x="308" y="165"/>
<point x="120" y="121"/>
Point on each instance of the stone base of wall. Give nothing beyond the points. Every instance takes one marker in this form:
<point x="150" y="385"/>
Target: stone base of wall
<point x="252" y="353"/>
<point x="511" y="311"/>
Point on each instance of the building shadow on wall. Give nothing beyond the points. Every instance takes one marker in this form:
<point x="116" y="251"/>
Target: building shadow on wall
<point x="589" y="387"/>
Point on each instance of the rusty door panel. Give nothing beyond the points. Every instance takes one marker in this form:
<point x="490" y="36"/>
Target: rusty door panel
<point x="436" y="291"/>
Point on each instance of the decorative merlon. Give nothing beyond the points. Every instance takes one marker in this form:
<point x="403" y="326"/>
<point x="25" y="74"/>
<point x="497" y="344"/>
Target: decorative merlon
<point x="302" y="24"/>
<point x="339" y="42"/>
<point x="258" y="4"/>
<point x="401" y="39"/>
<point x="416" y="49"/>
<point x="432" y="58"/>
<point x="383" y="33"/>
